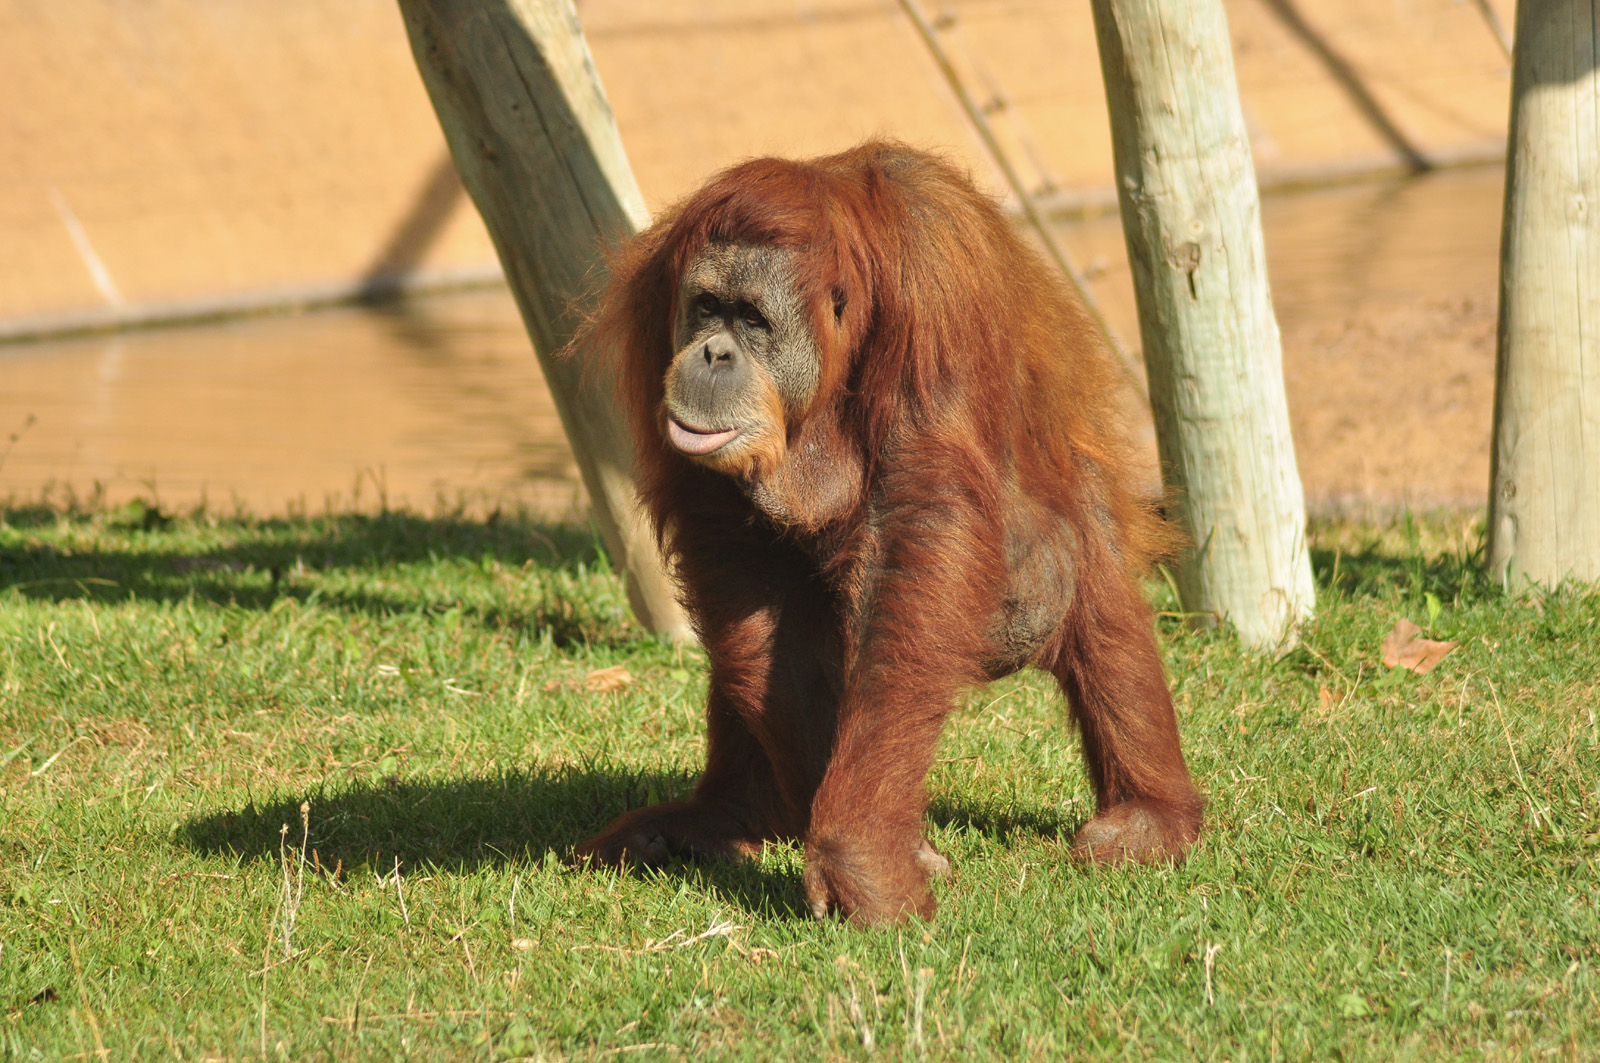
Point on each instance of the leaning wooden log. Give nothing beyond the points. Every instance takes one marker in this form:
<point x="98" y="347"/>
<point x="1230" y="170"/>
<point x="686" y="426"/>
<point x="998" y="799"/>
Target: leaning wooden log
<point x="537" y="148"/>
<point x="1544" y="498"/>
<point x="1192" y="219"/>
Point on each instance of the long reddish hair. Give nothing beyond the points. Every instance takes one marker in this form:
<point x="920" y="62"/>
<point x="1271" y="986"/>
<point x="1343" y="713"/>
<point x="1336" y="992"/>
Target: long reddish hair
<point x="932" y="316"/>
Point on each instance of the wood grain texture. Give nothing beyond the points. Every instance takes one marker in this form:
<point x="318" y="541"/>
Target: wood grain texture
<point x="537" y="148"/>
<point x="1191" y="217"/>
<point x="1544" y="494"/>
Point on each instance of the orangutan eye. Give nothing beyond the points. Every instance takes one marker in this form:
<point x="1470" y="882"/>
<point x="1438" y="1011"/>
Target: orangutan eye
<point x="753" y="317"/>
<point x="707" y="305"/>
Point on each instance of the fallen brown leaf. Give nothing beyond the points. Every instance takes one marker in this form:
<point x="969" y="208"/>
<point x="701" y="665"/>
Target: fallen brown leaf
<point x="606" y="680"/>
<point x="1402" y="648"/>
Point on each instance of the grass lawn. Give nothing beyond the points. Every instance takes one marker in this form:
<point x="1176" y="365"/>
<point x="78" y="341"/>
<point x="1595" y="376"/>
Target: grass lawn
<point x="301" y="789"/>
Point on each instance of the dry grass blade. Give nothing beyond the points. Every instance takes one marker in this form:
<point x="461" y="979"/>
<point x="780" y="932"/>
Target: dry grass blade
<point x="674" y="940"/>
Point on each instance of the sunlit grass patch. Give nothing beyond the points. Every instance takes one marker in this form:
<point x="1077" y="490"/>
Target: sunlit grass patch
<point x="1395" y="865"/>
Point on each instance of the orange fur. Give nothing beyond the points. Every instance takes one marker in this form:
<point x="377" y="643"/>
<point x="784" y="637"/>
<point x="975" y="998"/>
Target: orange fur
<point x="966" y="422"/>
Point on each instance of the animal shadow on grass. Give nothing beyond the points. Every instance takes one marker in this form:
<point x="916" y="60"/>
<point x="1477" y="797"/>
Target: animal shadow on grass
<point x="516" y="820"/>
<point x="1004" y="827"/>
<point x="511" y="820"/>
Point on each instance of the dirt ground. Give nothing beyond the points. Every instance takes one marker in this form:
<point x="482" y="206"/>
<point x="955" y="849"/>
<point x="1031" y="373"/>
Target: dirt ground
<point x="1390" y="375"/>
<point x="1396" y="409"/>
<point x="1385" y="293"/>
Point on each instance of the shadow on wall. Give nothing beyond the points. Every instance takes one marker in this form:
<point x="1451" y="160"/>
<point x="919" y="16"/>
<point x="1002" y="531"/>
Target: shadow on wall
<point x="1347" y="78"/>
<point x="436" y="202"/>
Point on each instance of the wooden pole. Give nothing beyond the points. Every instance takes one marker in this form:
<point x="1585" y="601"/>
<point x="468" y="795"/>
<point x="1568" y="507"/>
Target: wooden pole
<point x="1192" y="219"/>
<point x="537" y="148"/>
<point x="1544" y="498"/>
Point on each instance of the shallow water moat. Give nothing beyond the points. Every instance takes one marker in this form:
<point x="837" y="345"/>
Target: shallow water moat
<point x="1385" y="293"/>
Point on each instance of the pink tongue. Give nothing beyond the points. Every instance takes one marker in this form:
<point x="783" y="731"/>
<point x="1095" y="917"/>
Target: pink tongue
<point x="692" y="442"/>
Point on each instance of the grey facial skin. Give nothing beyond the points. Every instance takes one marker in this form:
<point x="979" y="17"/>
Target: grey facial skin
<point x="743" y="335"/>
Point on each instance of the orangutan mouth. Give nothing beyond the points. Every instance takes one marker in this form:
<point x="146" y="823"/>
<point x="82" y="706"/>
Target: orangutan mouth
<point x="693" y="441"/>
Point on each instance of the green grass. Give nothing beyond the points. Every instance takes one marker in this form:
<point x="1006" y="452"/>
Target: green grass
<point x="1395" y="866"/>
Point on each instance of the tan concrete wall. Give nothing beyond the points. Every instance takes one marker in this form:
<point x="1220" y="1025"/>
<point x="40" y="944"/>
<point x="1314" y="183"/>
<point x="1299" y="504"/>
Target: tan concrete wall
<point x="171" y="155"/>
<point x="207" y="150"/>
<point x="1326" y="84"/>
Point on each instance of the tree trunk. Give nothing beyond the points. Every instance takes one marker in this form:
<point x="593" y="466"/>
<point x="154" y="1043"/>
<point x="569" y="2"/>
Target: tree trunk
<point x="537" y="148"/>
<point x="1544" y="496"/>
<point x="1192" y="219"/>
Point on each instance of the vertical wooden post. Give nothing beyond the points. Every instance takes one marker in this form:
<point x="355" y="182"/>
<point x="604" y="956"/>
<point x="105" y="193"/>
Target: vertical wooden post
<point x="1544" y="497"/>
<point x="537" y="148"/>
<point x="1192" y="219"/>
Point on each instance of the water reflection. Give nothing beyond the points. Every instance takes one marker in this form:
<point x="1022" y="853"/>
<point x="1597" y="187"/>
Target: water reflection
<point x="437" y="400"/>
<point x="1385" y="295"/>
